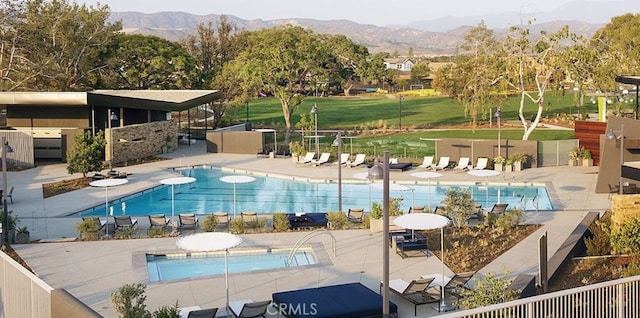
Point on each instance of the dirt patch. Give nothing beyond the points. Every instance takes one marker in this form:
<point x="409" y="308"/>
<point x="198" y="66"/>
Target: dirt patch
<point x="472" y="248"/>
<point x="11" y="253"/>
<point x="590" y="270"/>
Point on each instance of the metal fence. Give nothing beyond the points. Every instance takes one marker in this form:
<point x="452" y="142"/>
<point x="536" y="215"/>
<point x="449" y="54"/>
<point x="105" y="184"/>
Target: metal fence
<point x="612" y="299"/>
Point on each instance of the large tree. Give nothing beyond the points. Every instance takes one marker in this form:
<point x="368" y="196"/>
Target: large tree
<point x="278" y="61"/>
<point x="147" y="62"/>
<point x="347" y="63"/>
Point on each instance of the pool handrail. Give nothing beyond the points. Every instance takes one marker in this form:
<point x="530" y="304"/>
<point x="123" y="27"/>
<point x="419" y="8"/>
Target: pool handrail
<point x="307" y="237"/>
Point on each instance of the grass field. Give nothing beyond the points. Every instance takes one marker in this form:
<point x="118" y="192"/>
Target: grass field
<point x="373" y="121"/>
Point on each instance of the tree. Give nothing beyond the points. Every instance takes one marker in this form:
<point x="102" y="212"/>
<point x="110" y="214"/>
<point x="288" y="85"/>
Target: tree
<point x="489" y="290"/>
<point x="128" y="301"/>
<point x="278" y="61"/>
<point x="531" y="64"/>
<point x="148" y="62"/>
<point x="473" y="80"/>
<point x="457" y="205"/>
<point x="420" y="71"/>
<point x="86" y="154"/>
<point x="346" y="63"/>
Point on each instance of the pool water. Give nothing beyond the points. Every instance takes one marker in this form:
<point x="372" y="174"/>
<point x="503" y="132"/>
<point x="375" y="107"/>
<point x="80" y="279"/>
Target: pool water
<point x="188" y="265"/>
<point x="270" y="195"/>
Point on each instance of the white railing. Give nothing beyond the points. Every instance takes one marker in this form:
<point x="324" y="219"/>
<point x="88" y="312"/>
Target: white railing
<point x="23" y="294"/>
<point x="617" y="298"/>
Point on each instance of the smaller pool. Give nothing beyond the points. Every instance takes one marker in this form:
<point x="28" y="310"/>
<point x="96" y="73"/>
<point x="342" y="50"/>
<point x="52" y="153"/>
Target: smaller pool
<point x="161" y="267"/>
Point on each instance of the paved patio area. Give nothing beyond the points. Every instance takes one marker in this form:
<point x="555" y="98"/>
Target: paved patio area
<point x="92" y="270"/>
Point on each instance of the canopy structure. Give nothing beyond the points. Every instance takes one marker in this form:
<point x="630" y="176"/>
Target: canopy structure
<point x="275" y="136"/>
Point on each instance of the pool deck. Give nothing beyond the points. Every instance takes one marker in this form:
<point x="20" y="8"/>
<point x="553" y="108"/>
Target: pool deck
<point x="92" y="270"/>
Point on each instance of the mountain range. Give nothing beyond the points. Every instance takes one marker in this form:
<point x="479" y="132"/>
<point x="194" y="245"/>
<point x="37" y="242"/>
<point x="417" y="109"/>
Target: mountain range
<point x="430" y="37"/>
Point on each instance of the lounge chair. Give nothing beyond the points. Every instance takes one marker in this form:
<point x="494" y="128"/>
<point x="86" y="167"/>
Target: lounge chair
<point x="101" y="222"/>
<point x="247" y="308"/>
<point x="10" y="194"/>
<point x="463" y="164"/>
<point x="416" y="209"/>
<point x="249" y="216"/>
<point x="158" y="221"/>
<point x="307" y="158"/>
<point x="481" y="164"/>
<point x="125" y="222"/>
<point x="499" y="208"/>
<point x="356" y="215"/>
<point x="203" y="313"/>
<point x="263" y="153"/>
<point x="222" y="219"/>
<point x="344" y="158"/>
<point x="476" y="212"/>
<point x="357" y="161"/>
<point x="458" y="283"/>
<point x="187" y="221"/>
<point x="324" y="158"/>
<point x="415" y="291"/>
<point x="443" y="163"/>
<point x="426" y="162"/>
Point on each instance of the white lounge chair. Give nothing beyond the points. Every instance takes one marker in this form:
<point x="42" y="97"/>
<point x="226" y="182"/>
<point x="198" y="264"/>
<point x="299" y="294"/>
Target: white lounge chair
<point x="308" y="158"/>
<point x="443" y="163"/>
<point x="344" y="158"/>
<point x="324" y="158"/>
<point x="426" y="162"/>
<point x="463" y="164"/>
<point x="481" y="164"/>
<point x="358" y="161"/>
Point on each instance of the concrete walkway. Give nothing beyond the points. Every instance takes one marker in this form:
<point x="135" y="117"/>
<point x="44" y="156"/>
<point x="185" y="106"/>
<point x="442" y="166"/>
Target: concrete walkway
<point x="92" y="270"/>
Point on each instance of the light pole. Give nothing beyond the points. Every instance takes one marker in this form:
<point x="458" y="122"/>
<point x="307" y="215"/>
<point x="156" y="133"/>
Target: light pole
<point x="110" y="117"/>
<point x="400" y="112"/>
<point x="498" y="114"/>
<point x="314" y="111"/>
<point x="338" y="142"/>
<point x="5" y="221"/>
<point x="382" y="172"/>
<point x="612" y="136"/>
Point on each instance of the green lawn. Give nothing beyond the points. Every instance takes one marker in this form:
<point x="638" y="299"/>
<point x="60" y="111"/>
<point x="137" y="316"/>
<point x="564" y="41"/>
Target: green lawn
<point x="421" y="115"/>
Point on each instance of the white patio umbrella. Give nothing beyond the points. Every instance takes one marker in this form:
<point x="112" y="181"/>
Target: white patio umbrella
<point x="396" y="187"/>
<point x="427" y="221"/>
<point x="234" y="180"/>
<point x="427" y="175"/>
<point x="173" y="182"/>
<point x="209" y="242"/>
<point x="486" y="174"/>
<point x="106" y="183"/>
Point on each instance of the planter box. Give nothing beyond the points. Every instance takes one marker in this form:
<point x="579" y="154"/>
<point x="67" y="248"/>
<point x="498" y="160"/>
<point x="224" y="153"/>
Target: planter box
<point x="497" y="167"/>
<point x="587" y="162"/>
<point x="508" y="168"/>
<point x="517" y="166"/>
<point x="573" y="163"/>
<point x="375" y="225"/>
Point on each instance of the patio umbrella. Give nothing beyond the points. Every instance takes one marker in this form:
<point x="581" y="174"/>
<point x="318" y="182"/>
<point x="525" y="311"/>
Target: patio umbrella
<point x="427" y="175"/>
<point x="106" y="183"/>
<point x="486" y="174"/>
<point x="234" y="180"/>
<point x="173" y="182"/>
<point x="427" y="221"/>
<point x="209" y="242"/>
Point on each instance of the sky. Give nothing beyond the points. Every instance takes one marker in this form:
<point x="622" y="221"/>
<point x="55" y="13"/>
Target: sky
<point x="377" y="12"/>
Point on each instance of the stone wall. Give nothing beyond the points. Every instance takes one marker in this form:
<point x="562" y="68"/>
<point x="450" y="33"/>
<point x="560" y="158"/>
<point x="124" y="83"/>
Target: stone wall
<point x="140" y="140"/>
<point x="623" y="208"/>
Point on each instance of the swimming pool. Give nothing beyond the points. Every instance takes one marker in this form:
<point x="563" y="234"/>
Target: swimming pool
<point x="269" y="195"/>
<point x="196" y="264"/>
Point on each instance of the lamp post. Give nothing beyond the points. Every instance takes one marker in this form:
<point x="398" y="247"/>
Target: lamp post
<point x="612" y="136"/>
<point x="498" y="114"/>
<point x="247" y="120"/>
<point x="5" y="221"/>
<point x="382" y="172"/>
<point x="400" y="112"/>
<point x="111" y="116"/>
<point x="314" y="111"/>
<point x="338" y="142"/>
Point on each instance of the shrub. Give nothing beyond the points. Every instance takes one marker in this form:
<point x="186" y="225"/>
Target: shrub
<point x="633" y="269"/>
<point x="157" y="232"/>
<point x="600" y="241"/>
<point x="457" y="205"/>
<point x="167" y="312"/>
<point x="237" y="226"/>
<point x="128" y="301"/>
<point x="488" y="290"/>
<point x="89" y="228"/>
<point x="337" y="219"/>
<point x="126" y="233"/>
<point x="257" y="224"/>
<point x="511" y="218"/>
<point x="280" y="222"/>
<point x="366" y="221"/>
<point x="209" y="223"/>
<point x="627" y="238"/>
<point x="394" y="208"/>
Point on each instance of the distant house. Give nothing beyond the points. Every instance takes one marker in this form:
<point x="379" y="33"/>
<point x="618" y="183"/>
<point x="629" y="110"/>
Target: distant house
<point x="400" y="64"/>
